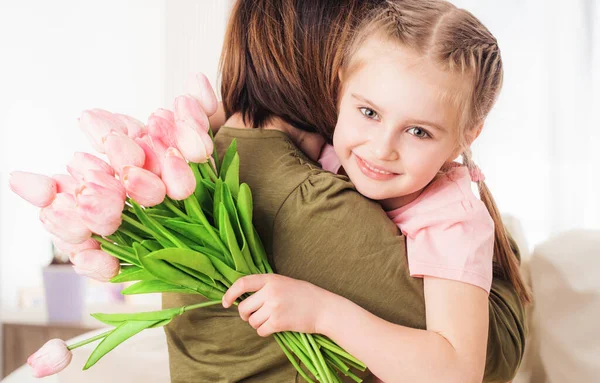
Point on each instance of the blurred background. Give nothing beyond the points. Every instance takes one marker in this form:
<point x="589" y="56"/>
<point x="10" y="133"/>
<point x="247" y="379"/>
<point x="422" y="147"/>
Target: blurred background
<point x="540" y="148"/>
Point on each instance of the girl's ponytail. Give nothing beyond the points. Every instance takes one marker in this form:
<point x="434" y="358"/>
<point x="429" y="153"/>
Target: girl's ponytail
<point x="504" y="255"/>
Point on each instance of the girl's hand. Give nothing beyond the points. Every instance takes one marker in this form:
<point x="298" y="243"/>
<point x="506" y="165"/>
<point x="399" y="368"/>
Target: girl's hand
<point x="279" y="304"/>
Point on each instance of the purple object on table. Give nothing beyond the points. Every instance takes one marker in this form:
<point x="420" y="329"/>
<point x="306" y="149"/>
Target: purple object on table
<point x="65" y="293"/>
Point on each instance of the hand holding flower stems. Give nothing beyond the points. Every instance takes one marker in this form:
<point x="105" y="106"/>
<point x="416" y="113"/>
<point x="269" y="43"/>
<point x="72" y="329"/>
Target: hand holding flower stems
<point x="165" y="214"/>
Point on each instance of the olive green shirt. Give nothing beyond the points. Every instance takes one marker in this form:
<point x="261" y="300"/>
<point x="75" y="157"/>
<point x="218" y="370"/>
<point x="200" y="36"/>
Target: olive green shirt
<point x="316" y="227"/>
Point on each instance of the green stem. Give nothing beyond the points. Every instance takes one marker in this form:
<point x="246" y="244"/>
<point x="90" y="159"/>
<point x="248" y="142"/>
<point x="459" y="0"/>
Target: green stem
<point x="212" y="174"/>
<point x="90" y="340"/>
<point x="137" y="225"/>
<point x="200" y="305"/>
<point x="176" y="210"/>
<point x="133" y="236"/>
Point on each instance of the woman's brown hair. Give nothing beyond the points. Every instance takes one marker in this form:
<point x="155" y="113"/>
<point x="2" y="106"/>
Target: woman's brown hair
<point x="459" y="43"/>
<point x="281" y="59"/>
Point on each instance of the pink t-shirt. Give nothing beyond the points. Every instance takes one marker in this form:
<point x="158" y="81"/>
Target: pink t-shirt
<point x="449" y="232"/>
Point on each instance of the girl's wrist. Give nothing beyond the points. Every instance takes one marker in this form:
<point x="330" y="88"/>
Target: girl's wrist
<point x="328" y="312"/>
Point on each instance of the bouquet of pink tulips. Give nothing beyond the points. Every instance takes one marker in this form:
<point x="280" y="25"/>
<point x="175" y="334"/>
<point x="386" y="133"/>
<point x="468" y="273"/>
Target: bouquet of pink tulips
<point x="167" y="212"/>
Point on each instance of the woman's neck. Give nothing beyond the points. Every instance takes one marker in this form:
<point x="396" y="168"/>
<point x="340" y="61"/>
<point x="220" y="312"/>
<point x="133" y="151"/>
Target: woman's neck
<point x="310" y="143"/>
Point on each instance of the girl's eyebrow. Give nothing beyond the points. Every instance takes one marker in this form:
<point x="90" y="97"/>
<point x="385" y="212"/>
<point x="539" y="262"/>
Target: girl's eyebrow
<point x="416" y="122"/>
<point x="366" y="100"/>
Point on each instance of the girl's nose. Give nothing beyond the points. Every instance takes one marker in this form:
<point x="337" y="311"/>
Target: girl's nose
<point x="383" y="148"/>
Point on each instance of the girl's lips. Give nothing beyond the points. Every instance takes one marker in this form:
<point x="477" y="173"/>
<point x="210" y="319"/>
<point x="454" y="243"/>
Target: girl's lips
<point x="372" y="171"/>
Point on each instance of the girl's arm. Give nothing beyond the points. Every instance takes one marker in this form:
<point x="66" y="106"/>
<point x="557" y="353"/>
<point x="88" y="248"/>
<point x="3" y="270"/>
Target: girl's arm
<point x="452" y="349"/>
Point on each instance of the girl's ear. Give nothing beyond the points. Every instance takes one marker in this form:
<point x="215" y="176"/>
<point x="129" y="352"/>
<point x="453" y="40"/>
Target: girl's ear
<point x="341" y="75"/>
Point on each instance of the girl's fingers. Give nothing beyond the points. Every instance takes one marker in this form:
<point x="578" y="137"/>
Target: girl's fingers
<point x="250" y="305"/>
<point x="265" y="329"/>
<point x="243" y="285"/>
<point x="258" y="318"/>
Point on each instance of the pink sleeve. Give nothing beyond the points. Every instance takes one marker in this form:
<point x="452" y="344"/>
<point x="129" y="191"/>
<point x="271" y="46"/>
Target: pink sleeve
<point x="329" y="160"/>
<point x="455" y="242"/>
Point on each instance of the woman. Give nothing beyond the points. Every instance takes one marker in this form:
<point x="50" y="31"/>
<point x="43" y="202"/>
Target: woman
<point x="279" y="68"/>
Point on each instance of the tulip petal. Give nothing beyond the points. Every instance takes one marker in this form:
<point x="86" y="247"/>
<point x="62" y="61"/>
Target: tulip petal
<point x="100" y="208"/>
<point x="82" y="162"/>
<point x="202" y="91"/>
<point x="37" y="189"/>
<point x="177" y="175"/>
<point x="188" y="110"/>
<point x="96" y="264"/>
<point x="96" y="124"/>
<point x="152" y="160"/>
<point x="145" y="187"/>
<point x="104" y="180"/>
<point x="71" y="249"/>
<point x="65" y="183"/>
<point x="134" y="127"/>
<point x="51" y="358"/>
<point x="62" y="220"/>
<point x="123" y="151"/>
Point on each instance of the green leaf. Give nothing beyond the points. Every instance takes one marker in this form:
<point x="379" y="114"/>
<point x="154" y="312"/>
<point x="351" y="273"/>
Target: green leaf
<point x="152" y="245"/>
<point x="123" y="253"/>
<point x="229" y="238"/>
<point x="227" y="200"/>
<point x="120" y="334"/>
<point x="155" y="286"/>
<point x="209" y="185"/>
<point x="189" y="258"/>
<point x="159" y="210"/>
<point x="232" y="177"/>
<point x="110" y="319"/>
<point x="244" y="209"/>
<point x="194" y="232"/>
<point x="228" y="159"/>
<point x="230" y="274"/>
<point x="132" y="273"/>
<point x="163" y="235"/>
<point x="217" y="198"/>
<point x="215" y="154"/>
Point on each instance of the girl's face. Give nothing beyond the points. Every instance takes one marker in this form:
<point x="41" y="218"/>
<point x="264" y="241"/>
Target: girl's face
<point x="395" y="130"/>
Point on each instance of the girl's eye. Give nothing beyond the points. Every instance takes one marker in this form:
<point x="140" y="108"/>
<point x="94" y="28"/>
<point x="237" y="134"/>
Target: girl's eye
<point x="369" y="113"/>
<point x="418" y="132"/>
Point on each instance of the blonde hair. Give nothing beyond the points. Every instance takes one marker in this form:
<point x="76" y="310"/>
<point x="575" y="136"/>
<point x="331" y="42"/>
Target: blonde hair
<point x="459" y="43"/>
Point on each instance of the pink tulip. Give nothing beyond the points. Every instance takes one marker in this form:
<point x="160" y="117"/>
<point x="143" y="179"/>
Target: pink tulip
<point x="145" y="187"/>
<point x="177" y="175"/>
<point x="104" y="180"/>
<point x="96" y="264"/>
<point x="97" y="124"/>
<point x="100" y="208"/>
<point x="135" y="128"/>
<point x="36" y="189"/>
<point x="161" y="128"/>
<point x="202" y="91"/>
<point x="188" y="112"/>
<point x="152" y="160"/>
<point x="62" y="220"/>
<point x="72" y="249"/>
<point x="195" y="144"/>
<point x="122" y="151"/>
<point x="166" y="114"/>
<point x="51" y="358"/>
<point x="65" y="183"/>
<point x="82" y="162"/>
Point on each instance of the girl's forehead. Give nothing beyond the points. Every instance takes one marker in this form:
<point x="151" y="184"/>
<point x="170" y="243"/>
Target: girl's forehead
<point x="400" y="81"/>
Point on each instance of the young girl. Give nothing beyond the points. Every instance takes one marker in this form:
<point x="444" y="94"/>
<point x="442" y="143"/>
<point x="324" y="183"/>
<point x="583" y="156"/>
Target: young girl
<point x="417" y="85"/>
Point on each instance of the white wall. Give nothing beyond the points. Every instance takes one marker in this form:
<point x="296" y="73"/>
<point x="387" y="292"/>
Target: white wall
<point x="59" y="58"/>
<point x="539" y="146"/>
